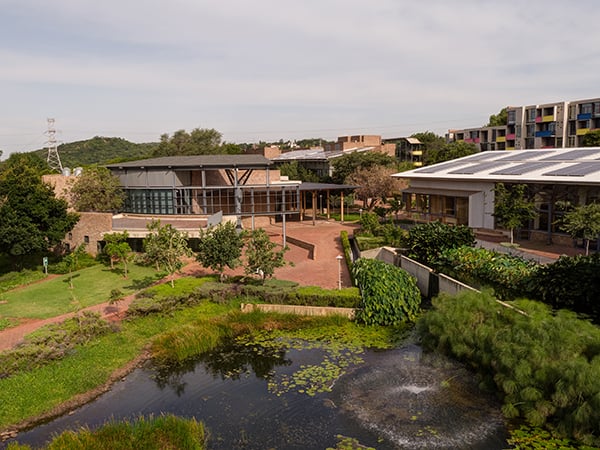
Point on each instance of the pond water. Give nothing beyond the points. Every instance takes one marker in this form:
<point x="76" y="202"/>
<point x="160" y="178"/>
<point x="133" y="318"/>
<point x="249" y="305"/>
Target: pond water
<point x="251" y="397"/>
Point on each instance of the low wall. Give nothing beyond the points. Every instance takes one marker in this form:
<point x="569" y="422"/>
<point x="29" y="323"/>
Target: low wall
<point x="299" y="310"/>
<point x="452" y="286"/>
<point x="303" y="244"/>
<point x="422" y="273"/>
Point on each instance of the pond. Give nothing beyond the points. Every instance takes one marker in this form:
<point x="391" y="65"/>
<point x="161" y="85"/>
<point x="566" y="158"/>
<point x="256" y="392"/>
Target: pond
<point x="304" y="396"/>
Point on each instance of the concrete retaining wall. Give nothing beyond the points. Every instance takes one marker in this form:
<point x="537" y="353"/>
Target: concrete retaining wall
<point x="303" y="244"/>
<point x="452" y="286"/>
<point x="299" y="310"/>
<point x="422" y="273"/>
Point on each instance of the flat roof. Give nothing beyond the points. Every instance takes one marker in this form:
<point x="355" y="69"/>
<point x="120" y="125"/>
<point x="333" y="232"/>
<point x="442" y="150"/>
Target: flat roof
<point x="197" y="161"/>
<point x="565" y="166"/>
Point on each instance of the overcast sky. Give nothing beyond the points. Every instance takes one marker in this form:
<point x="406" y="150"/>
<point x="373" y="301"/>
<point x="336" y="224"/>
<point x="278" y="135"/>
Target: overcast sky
<point x="278" y="69"/>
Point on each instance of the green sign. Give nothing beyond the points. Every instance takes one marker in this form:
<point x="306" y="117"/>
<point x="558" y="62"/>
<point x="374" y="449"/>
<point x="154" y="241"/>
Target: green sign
<point x="45" y="261"/>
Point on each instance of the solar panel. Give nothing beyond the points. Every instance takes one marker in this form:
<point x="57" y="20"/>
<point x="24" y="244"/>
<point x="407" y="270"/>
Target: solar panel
<point x="520" y="169"/>
<point x="481" y="167"/>
<point x="576" y="170"/>
<point x="485" y="155"/>
<point x="440" y="167"/>
<point x="521" y="155"/>
<point x="574" y="155"/>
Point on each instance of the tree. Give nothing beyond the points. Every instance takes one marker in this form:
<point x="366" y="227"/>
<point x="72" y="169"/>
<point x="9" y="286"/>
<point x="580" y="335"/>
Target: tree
<point x="200" y="141"/>
<point x="584" y="222"/>
<point x="72" y="262"/>
<point x="499" y="119"/>
<point x="374" y="183"/>
<point x="97" y="189"/>
<point x="166" y="246"/>
<point x="118" y="249"/>
<point x="511" y="207"/>
<point x="32" y="219"/>
<point x="295" y="171"/>
<point x="450" y="151"/>
<point x="220" y="247"/>
<point x="261" y="256"/>
<point x="591" y="139"/>
<point x="431" y="142"/>
<point x="347" y="164"/>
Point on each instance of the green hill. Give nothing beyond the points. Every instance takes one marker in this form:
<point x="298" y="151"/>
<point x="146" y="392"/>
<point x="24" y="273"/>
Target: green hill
<point x="100" y="150"/>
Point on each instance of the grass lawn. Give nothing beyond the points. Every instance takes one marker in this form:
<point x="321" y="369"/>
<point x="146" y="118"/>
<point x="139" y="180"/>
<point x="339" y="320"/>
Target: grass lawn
<point x="90" y="287"/>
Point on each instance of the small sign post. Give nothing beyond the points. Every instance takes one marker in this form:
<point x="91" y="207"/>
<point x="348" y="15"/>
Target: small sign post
<point x="45" y="262"/>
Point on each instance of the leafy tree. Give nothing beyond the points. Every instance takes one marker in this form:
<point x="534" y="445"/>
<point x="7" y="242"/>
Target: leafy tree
<point x="32" y="219"/>
<point x="511" y="207"/>
<point x="450" y="151"/>
<point x="220" y="247"/>
<point x="345" y="165"/>
<point x="431" y="142"/>
<point x="591" y="139"/>
<point x="295" y="171"/>
<point x="498" y="119"/>
<point x="97" y="189"/>
<point x="200" y="141"/>
<point x="166" y="246"/>
<point x="118" y="249"/>
<point x="374" y="183"/>
<point x="261" y="256"/>
<point x="390" y="295"/>
<point x="584" y="222"/>
<point x="396" y="204"/>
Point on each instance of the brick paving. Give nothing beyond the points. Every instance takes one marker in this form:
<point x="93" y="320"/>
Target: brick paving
<point x="324" y="270"/>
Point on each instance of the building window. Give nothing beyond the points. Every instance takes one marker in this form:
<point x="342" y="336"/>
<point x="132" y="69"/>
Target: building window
<point x="511" y="116"/>
<point x="86" y="239"/>
<point x="586" y="108"/>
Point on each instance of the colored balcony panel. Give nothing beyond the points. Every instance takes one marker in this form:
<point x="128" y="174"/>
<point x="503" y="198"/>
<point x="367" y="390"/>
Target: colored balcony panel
<point x="538" y="119"/>
<point x="583" y="131"/>
<point x="510" y="137"/>
<point x="544" y="133"/>
<point x="501" y="139"/>
<point x="549" y="118"/>
<point x="586" y="116"/>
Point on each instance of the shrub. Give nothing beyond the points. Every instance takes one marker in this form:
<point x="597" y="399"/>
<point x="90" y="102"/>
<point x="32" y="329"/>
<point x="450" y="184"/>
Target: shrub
<point x="389" y="295"/>
<point x="570" y="282"/>
<point x="347" y="250"/>
<point x="508" y="275"/>
<point x="52" y="342"/>
<point x="545" y="365"/>
<point x="425" y="242"/>
<point x="369" y="223"/>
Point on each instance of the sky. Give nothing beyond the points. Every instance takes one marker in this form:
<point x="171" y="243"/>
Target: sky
<point x="265" y="70"/>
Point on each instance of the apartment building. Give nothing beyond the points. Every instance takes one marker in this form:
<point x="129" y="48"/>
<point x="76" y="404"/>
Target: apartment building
<point x="550" y="125"/>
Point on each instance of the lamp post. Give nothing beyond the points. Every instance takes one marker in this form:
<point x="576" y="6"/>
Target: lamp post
<point x="339" y="260"/>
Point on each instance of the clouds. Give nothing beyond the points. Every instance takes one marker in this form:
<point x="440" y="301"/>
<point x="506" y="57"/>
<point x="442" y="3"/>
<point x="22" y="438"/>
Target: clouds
<point x="280" y="69"/>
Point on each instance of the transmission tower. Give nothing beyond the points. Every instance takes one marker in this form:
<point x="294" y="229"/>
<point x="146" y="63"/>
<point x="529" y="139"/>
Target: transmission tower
<point x="52" y="144"/>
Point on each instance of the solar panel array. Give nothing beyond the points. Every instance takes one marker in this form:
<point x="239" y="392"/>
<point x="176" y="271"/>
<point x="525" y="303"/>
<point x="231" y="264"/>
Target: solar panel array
<point x="522" y="155"/>
<point x="576" y="170"/>
<point x="440" y="167"/>
<point x="575" y="154"/>
<point x="481" y="167"/>
<point x="523" y="168"/>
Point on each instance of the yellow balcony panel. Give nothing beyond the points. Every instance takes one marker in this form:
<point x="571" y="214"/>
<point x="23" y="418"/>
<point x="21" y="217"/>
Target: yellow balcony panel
<point x="417" y="153"/>
<point x="417" y="164"/>
<point x="549" y="118"/>
<point x="501" y="139"/>
<point x="510" y="148"/>
<point x="583" y="131"/>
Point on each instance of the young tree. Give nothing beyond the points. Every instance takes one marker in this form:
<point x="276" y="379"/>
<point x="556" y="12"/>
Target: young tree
<point x="591" y="139"/>
<point x="511" y="207"/>
<point x="450" y="151"/>
<point x="118" y="249"/>
<point x="583" y="221"/>
<point x="72" y="261"/>
<point x="220" y="247"/>
<point x="261" y="256"/>
<point x="96" y="189"/>
<point x="374" y="183"/>
<point x="32" y="219"/>
<point x="166" y="246"/>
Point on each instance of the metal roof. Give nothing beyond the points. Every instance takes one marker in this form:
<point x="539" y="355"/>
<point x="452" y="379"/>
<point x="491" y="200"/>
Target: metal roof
<point x="564" y="165"/>
<point x="197" y="161"/>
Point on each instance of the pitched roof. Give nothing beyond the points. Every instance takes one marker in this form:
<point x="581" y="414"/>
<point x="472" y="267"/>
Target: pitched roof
<point x="565" y="165"/>
<point x="197" y="161"/>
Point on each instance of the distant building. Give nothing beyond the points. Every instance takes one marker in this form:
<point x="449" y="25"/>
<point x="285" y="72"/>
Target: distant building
<point x="550" y="125"/>
<point x="407" y="149"/>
